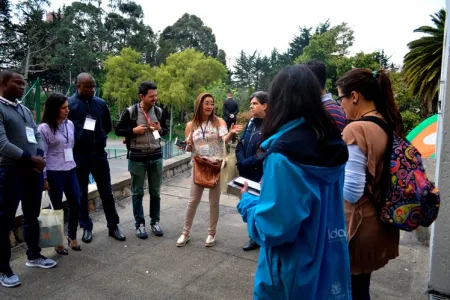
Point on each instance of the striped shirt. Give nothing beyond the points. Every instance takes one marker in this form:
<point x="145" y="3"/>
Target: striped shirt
<point x="335" y="111"/>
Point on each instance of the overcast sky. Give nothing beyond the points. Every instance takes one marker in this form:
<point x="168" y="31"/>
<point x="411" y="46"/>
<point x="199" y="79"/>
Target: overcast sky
<point x="250" y="24"/>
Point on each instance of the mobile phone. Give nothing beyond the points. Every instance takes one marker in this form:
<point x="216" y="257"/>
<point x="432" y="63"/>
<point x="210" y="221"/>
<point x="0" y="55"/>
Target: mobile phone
<point x="252" y="185"/>
<point x="180" y="143"/>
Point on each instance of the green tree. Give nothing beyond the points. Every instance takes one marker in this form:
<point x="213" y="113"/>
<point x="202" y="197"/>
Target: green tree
<point x="422" y="64"/>
<point x="218" y="90"/>
<point x="123" y="76"/>
<point x="126" y="28"/>
<point x="187" y="32"/>
<point x="185" y="75"/>
<point x="7" y="36"/>
<point x="332" y="48"/>
<point x="34" y="37"/>
<point x="299" y="42"/>
<point x="410" y="107"/>
<point x="333" y="43"/>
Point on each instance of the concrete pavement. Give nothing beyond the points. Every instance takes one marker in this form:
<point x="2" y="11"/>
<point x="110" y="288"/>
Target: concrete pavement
<point x="156" y="269"/>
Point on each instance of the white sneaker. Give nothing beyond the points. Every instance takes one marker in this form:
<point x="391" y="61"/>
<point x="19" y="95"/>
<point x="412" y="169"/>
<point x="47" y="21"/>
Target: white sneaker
<point x="210" y="240"/>
<point x="9" y="280"/>
<point x="183" y="240"/>
<point x="41" y="262"/>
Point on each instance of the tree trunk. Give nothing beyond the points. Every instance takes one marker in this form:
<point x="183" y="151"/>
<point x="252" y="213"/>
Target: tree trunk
<point x="27" y="64"/>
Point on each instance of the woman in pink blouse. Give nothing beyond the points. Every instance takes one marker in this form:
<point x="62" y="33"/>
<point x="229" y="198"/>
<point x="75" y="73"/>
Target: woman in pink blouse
<point x="57" y="132"/>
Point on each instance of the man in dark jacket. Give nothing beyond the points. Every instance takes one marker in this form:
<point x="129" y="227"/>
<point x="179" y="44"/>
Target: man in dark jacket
<point x="142" y="124"/>
<point x="249" y="160"/>
<point x="230" y="110"/>
<point x="92" y="121"/>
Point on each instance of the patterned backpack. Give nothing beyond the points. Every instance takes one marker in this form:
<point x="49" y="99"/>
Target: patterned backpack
<point x="411" y="199"/>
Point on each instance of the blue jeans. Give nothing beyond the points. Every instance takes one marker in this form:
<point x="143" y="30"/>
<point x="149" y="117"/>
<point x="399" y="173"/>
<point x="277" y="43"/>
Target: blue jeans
<point x="17" y="184"/>
<point x="154" y="171"/>
<point x="97" y="164"/>
<point x="65" y="182"/>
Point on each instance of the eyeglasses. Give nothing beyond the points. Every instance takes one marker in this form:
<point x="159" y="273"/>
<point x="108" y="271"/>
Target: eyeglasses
<point x="339" y="99"/>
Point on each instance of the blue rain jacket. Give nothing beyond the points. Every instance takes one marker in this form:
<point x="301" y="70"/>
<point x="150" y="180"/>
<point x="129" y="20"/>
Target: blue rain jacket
<point x="298" y="220"/>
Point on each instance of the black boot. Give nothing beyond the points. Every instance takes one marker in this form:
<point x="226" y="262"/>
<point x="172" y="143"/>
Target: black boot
<point x="87" y="236"/>
<point x="251" y="245"/>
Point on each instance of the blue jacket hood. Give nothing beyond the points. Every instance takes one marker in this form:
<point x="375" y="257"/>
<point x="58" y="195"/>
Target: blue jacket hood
<point x="299" y="143"/>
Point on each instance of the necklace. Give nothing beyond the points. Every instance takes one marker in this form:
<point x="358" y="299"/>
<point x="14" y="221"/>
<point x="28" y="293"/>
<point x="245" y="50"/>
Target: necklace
<point x="368" y="112"/>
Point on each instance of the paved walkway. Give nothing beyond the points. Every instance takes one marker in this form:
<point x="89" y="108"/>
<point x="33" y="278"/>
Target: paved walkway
<point x="157" y="269"/>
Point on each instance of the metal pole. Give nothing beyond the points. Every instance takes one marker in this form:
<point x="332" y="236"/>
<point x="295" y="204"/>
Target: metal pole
<point x="38" y="100"/>
<point x="171" y="122"/>
<point x="440" y="234"/>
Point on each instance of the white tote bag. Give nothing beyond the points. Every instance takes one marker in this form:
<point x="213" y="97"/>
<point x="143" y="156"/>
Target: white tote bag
<point x="51" y="225"/>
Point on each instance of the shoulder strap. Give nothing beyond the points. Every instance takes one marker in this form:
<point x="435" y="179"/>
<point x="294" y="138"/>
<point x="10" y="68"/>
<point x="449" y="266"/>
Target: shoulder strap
<point x="380" y="123"/>
<point x="158" y="112"/>
<point x="383" y="185"/>
<point x="133" y="111"/>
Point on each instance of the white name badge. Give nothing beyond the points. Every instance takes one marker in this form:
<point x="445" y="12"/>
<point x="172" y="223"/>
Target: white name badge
<point x="204" y="150"/>
<point x="89" y="124"/>
<point x="156" y="134"/>
<point x="68" y="155"/>
<point x="30" y="135"/>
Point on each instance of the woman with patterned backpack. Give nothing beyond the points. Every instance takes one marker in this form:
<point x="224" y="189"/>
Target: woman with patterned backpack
<point x="385" y="188"/>
<point x="371" y="242"/>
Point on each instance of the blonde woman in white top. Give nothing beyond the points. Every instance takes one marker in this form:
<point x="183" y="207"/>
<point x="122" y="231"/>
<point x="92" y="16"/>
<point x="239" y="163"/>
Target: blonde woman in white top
<point x="205" y="136"/>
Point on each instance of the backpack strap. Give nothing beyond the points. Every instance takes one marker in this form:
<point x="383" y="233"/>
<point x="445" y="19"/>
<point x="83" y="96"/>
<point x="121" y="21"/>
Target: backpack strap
<point x="380" y="123"/>
<point x="158" y="113"/>
<point x="133" y="110"/>
<point x="383" y="184"/>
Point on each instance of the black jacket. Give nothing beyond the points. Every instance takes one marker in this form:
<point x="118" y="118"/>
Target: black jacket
<point x="230" y="107"/>
<point x="250" y="164"/>
<point x="85" y="140"/>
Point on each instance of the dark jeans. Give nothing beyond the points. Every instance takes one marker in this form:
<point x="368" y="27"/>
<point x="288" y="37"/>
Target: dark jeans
<point x="96" y="164"/>
<point x="65" y="182"/>
<point x="154" y="171"/>
<point x="361" y="287"/>
<point x="18" y="185"/>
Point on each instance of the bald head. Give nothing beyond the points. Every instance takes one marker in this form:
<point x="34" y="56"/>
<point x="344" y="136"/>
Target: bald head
<point x="86" y="86"/>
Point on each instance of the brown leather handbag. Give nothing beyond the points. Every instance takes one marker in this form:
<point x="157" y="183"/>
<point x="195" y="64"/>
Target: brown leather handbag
<point x="206" y="172"/>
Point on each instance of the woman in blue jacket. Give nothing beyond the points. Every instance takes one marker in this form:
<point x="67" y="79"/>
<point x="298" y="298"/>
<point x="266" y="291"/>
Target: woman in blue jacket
<point x="249" y="159"/>
<point x="298" y="220"/>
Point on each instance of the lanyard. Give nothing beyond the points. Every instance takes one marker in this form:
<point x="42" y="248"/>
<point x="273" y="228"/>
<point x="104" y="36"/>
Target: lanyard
<point x="204" y="130"/>
<point x="67" y="133"/>
<point x="146" y="116"/>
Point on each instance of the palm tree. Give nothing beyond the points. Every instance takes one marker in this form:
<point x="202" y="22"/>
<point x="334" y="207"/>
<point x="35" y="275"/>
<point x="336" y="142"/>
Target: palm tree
<point x="422" y="65"/>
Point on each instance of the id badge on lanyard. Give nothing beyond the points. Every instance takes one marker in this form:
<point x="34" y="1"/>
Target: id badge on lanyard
<point x="204" y="150"/>
<point x="68" y="155"/>
<point x="31" y="137"/>
<point x="89" y="123"/>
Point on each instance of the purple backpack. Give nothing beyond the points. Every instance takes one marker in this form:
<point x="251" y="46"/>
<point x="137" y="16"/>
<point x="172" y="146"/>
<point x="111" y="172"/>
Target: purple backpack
<point x="411" y="199"/>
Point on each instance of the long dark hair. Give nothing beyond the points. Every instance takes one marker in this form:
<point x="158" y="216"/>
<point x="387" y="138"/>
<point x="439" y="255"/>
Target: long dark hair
<point x="295" y="93"/>
<point x="376" y="87"/>
<point x="197" y="119"/>
<point x="51" y="110"/>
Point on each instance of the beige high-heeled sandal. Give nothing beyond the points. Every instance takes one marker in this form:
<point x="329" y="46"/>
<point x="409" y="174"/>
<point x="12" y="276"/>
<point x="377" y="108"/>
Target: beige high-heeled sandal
<point x="183" y="240"/>
<point x="210" y="240"/>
